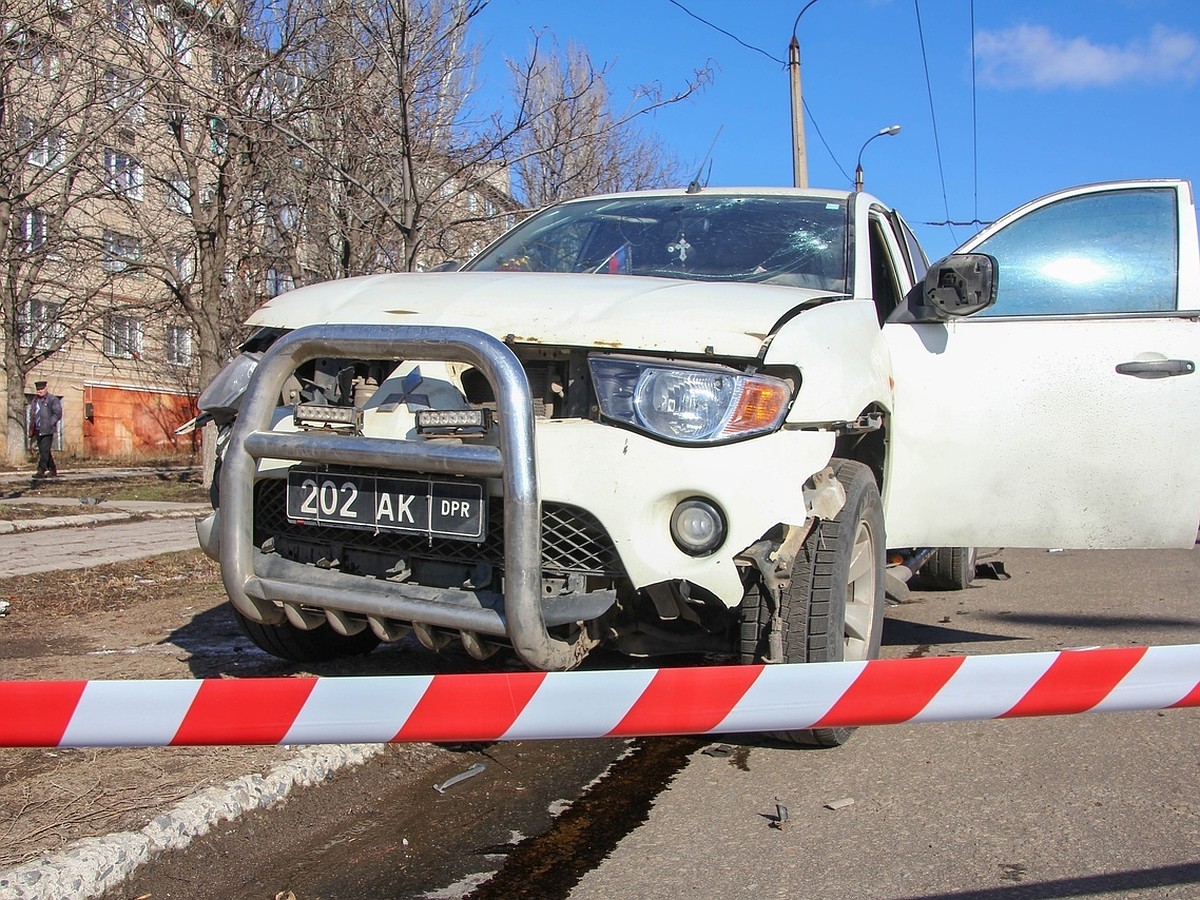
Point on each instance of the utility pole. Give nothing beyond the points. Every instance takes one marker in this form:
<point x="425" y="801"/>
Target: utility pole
<point x="799" y="152"/>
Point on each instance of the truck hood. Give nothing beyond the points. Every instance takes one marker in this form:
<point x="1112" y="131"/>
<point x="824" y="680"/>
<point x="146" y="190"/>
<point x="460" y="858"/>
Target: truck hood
<point x="603" y="311"/>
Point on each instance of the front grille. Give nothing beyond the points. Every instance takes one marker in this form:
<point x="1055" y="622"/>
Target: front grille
<point x="573" y="540"/>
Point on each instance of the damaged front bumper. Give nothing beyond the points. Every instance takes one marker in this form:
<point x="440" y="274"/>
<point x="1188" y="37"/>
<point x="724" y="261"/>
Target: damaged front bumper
<point x="261" y="586"/>
<point x="628" y="483"/>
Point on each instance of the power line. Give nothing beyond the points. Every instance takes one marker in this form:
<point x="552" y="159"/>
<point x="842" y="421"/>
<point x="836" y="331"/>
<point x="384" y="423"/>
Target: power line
<point x="775" y="59"/>
<point x="937" y="146"/>
<point x="824" y="143"/>
<point x="727" y="34"/>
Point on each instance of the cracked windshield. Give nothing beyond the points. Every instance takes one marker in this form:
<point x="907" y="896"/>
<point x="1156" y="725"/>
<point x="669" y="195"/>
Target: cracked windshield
<point x="798" y="242"/>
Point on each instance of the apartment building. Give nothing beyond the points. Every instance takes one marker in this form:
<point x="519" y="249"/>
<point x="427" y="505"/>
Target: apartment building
<point x="99" y="248"/>
<point x="149" y="199"/>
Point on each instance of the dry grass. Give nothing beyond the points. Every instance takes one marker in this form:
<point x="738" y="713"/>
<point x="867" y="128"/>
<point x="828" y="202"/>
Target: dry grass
<point x="180" y="487"/>
<point x="115" y="586"/>
<point x="12" y="513"/>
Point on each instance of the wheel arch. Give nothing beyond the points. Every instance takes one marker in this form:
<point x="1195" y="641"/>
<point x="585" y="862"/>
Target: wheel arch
<point x="868" y="447"/>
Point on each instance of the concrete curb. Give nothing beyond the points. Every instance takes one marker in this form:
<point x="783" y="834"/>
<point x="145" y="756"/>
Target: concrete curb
<point x="89" y="867"/>
<point x="49" y="522"/>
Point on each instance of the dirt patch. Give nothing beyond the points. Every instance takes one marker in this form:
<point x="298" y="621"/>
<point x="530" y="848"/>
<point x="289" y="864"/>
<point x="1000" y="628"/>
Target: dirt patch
<point x="10" y="512"/>
<point x="161" y="617"/>
<point x="182" y="486"/>
<point x="190" y="578"/>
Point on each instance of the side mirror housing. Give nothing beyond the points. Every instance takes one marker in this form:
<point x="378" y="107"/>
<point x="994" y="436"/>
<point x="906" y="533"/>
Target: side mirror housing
<point x="960" y="285"/>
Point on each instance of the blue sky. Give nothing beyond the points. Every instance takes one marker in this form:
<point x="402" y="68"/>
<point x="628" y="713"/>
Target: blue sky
<point x="1065" y="92"/>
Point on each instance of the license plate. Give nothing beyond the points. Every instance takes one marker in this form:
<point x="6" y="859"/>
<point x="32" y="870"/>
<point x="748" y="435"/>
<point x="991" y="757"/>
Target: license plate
<point x="452" y="509"/>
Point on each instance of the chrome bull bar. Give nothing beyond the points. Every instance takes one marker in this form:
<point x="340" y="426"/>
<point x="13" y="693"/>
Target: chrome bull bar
<point x="256" y="582"/>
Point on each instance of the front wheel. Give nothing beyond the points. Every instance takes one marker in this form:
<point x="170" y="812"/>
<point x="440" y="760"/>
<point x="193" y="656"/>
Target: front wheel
<point x="319" y="644"/>
<point x="832" y="607"/>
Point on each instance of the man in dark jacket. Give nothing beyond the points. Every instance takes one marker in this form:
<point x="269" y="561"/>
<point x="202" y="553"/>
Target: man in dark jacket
<point x="44" y="416"/>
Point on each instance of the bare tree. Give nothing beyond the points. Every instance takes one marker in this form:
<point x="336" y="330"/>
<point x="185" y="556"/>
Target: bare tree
<point x="573" y="142"/>
<point x="381" y="146"/>
<point x="55" y="262"/>
<point x="400" y="170"/>
<point x="207" y="81"/>
<point x="185" y="161"/>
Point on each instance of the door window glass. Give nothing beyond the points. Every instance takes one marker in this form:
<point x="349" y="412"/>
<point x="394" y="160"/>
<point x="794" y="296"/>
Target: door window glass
<point x="1108" y="252"/>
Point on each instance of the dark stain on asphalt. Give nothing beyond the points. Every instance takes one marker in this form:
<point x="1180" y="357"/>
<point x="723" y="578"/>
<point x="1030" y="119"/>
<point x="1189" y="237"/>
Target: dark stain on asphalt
<point x="549" y="865"/>
<point x="741" y="759"/>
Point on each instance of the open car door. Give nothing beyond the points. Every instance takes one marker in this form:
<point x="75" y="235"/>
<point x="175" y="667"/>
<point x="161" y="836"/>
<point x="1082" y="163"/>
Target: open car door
<point x="1068" y="413"/>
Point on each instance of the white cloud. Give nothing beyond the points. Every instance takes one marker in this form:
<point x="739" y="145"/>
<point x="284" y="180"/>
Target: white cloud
<point x="1033" y="56"/>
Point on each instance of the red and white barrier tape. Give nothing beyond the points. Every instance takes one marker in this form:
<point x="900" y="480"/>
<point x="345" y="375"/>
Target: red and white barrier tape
<point x="537" y="705"/>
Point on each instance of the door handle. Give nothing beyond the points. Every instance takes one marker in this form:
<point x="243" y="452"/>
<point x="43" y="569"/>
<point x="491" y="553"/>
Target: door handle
<point x="1156" y="368"/>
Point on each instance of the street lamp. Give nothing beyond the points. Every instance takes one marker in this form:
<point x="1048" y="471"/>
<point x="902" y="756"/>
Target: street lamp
<point x="858" y="170"/>
<point x="799" y="152"/>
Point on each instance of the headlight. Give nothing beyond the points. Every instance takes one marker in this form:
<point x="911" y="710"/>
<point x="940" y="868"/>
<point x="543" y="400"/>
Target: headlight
<point x="691" y="404"/>
<point x="224" y="393"/>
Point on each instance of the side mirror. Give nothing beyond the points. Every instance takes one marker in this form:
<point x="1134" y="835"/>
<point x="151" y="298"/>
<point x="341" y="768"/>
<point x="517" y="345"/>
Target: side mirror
<point x="960" y="284"/>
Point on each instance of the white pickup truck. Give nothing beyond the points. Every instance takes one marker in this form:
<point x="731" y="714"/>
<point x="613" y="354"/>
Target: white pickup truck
<point x="692" y="422"/>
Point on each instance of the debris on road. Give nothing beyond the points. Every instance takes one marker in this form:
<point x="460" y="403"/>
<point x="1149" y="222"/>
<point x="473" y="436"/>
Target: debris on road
<point x="4" y="605"/>
<point x="780" y="818"/>
<point x="718" y="751"/>
<point x="476" y="769"/>
<point x="835" y="805"/>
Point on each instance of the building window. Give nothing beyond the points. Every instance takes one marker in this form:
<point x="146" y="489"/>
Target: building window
<point x="179" y="195"/>
<point x="40" y="325"/>
<point x="50" y="151"/>
<point x="289" y="215"/>
<point x="121" y="251"/>
<point x="47" y="149"/>
<point x="184" y="262"/>
<point x="279" y="281"/>
<point x="122" y="337"/>
<point x="37" y="53"/>
<point x="218" y="135"/>
<point x="125" y="173"/>
<point x="34" y="227"/>
<point x="179" y="345"/>
<point x="123" y="95"/>
<point x="128" y="18"/>
<point x="182" y="43"/>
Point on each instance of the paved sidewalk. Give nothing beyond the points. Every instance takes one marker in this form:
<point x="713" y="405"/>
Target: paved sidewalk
<point x="30" y="551"/>
<point x="89" y="532"/>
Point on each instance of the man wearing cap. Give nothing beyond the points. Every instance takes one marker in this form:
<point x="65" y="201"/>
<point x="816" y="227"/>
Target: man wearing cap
<point x="44" y="416"/>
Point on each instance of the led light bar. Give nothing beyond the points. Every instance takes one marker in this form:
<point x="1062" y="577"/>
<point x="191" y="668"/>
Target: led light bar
<point x="312" y="415"/>
<point x="454" y="421"/>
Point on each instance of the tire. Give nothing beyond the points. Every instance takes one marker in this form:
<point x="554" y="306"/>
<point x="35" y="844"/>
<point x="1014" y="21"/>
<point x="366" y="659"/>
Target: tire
<point x="321" y="644"/>
<point x="832" y="608"/>
<point x="949" y="569"/>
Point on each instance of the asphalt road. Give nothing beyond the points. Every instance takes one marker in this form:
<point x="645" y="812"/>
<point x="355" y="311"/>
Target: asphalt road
<point x="1100" y="805"/>
<point x="1095" y="805"/>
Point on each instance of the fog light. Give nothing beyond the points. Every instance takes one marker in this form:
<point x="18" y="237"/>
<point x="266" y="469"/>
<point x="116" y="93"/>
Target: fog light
<point x="697" y="526"/>
<point x="463" y="422"/>
<point x="314" y="415"/>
